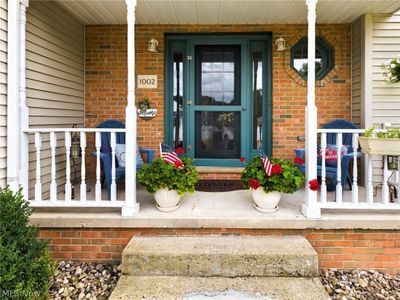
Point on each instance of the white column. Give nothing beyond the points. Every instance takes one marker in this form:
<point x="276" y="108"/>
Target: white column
<point x="310" y="209"/>
<point x="131" y="206"/>
<point x="23" y="109"/>
<point x="13" y="95"/>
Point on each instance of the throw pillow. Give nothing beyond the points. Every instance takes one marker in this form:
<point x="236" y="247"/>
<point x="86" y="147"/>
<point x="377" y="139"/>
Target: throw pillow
<point x="331" y="154"/>
<point x="120" y="154"/>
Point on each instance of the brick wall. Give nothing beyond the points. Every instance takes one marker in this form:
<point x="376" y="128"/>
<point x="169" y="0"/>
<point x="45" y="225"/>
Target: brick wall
<point x="106" y="78"/>
<point x="348" y="249"/>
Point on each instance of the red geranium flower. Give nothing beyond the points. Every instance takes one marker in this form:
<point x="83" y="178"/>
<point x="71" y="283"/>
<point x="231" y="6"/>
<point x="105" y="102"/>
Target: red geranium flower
<point x="179" y="150"/>
<point x="313" y="185"/>
<point x="178" y="164"/>
<point x="276" y="169"/>
<point x="298" y="160"/>
<point x="254" y="184"/>
<point x="242" y="159"/>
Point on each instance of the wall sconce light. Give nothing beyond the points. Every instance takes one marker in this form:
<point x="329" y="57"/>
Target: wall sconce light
<point x="152" y="45"/>
<point x="280" y="44"/>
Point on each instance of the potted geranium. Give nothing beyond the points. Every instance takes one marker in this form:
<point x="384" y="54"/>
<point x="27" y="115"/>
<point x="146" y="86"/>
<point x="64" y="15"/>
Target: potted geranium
<point x="268" y="179"/>
<point x="168" y="178"/>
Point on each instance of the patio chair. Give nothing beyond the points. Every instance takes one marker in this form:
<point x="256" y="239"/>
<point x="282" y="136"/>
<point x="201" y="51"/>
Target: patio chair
<point x="105" y="153"/>
<point x="331" y="168"/>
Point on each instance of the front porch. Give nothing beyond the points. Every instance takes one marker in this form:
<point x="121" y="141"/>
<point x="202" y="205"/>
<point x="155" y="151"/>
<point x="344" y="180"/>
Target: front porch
<point x="99" y="75"/>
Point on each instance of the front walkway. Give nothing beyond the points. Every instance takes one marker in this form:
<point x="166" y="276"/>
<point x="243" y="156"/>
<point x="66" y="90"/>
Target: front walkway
<point x="216" y="210"/>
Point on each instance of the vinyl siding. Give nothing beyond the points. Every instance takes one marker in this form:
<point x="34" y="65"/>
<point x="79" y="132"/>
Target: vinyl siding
<point x="386" y="45"/>
<point x="55" y="81"/>
<point x="356" y="72"/>
<point x="3" y="93"/>
<point x="385" y="97"/>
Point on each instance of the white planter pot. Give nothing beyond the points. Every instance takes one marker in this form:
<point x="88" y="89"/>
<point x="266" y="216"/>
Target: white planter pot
<point x="265" y="202"/>
<point x="167" y="200"/>
<point x="379" y="146"/>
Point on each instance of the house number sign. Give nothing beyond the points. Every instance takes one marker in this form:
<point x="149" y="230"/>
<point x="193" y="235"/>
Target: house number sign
<point x="147" y="81"/>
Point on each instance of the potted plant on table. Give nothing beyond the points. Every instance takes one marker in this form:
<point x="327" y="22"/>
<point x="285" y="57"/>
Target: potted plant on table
<point x="268" y="179"/>
<point x="168" y="178"/>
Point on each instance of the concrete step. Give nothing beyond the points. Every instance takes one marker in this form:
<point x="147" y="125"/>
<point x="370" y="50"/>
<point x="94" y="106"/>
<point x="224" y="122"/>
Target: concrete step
<point x="216" y="256"/>
<point x="218" y="288"/>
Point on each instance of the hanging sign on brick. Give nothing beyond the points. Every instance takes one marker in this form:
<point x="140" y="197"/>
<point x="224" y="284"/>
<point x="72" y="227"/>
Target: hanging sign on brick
<point x="147" y="81"/>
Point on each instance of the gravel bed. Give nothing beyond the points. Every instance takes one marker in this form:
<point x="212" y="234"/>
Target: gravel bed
<point x="96" y="281"/>
<point x="83" y="281"/>
<point x="360" y="284"/>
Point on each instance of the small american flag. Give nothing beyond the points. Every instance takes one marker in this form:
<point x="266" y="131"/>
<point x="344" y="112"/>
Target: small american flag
<point x="170" y="157"/>
<point x="266" y="163"/>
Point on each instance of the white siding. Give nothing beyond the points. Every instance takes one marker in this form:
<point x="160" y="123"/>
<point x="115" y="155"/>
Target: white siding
<point x="386" y="44"/>
<point x="55" y="79"/>
<point x="385" y="97"/>
<point x="3" y="93"/>
<point x="356" y="73"/>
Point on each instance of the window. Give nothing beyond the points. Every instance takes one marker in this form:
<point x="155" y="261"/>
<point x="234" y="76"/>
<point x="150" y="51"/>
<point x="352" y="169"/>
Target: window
<point x="323" y="58"/>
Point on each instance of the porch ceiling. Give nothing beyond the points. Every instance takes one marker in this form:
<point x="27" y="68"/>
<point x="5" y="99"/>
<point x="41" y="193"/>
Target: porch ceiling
<point x="225" y="11"/>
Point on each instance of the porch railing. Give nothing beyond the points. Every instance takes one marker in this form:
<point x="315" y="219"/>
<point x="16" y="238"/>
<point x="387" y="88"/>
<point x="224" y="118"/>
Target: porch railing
<point x="370" y="199"/>
<point x="56" y="143"/>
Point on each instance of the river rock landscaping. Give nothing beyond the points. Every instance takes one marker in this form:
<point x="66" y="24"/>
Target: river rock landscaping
<point x="83" y="281"/>
<point x="97" y="281"/>
<point x="360" y="284"/>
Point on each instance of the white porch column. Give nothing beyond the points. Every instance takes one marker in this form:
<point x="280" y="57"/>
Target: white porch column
<point x="131" y="206"/>
<point x="310" y="209"/>
<point x="23" y="109"/>
<point x="13" y="95"/>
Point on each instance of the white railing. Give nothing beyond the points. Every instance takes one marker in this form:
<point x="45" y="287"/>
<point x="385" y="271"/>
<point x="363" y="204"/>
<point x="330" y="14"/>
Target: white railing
<point x="359" y="197"/>
<point x="60" y="189"/>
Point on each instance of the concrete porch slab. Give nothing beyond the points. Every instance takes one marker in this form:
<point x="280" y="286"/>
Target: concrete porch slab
<point x="216" y="210"/>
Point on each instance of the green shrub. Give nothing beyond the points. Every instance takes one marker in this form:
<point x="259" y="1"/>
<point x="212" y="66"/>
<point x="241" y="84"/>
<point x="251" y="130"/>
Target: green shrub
<point x="25" y="266"/>
<point x="160" y="174"/>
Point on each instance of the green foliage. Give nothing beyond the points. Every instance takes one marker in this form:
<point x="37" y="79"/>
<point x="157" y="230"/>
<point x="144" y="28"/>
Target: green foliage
<point x="25" y="267"/>
<point x="391" y="133"/>
<point x="144" y="104"/>
<point x="160" y="174"/>
<point x="286" y="182"/>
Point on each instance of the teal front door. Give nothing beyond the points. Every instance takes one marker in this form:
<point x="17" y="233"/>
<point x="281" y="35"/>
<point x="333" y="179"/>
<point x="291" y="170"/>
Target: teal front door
<point x="219" y="97"/>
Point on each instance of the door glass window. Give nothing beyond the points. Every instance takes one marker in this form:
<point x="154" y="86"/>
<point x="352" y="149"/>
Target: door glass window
<point x="218" y="134"/>
<point x="217" y="75"/>
<point x="178" y="99"/>
<point x="257" y="90"/>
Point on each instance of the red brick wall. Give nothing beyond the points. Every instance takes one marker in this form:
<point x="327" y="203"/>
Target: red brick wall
<point x="106" y="78"/>
<point x="348" y="249"/>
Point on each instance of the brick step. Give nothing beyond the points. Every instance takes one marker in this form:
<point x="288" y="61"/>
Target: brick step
<point x="232" y="256"/>
<point x="218" y="288"/>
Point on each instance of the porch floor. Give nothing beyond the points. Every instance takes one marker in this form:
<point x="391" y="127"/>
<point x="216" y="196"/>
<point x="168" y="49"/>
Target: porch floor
<point x="216" y="210"/>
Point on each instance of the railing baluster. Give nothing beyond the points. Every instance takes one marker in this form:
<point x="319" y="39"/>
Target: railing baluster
<point x="385" y="187"/>
<point x="53" y="184"/>
<point x="38" y="184"/>
<point x="370" y="188"/>
<point x="398" y="185"/>
<point x="83" y="166"/>
<point x="113" y="166"/>
<point x="354" y="189"/>
<point x="98" y="182"/>
<point x="323" y="170"/>
<point x="68" y="187"/>
<point x="339" y="188"/>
